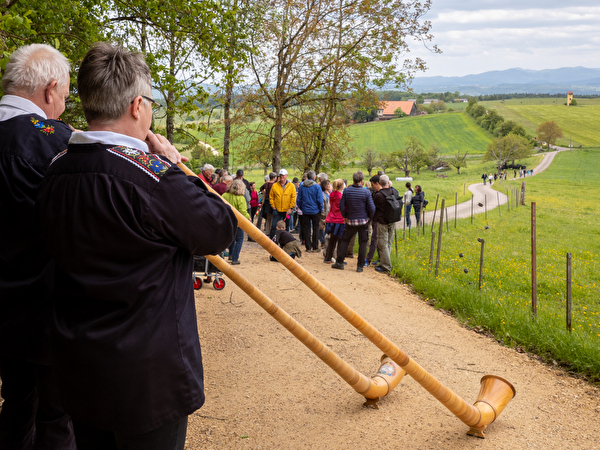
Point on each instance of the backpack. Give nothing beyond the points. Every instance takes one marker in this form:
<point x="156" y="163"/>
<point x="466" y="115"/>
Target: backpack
<point x="393" y="208"/>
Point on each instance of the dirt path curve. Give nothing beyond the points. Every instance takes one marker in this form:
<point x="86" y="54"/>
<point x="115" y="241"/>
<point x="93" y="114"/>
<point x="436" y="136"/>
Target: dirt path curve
<point x="265" y="390"/>
<point x="485" y="195"/>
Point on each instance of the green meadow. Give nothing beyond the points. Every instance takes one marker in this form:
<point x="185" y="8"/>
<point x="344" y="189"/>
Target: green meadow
<point x="567" y="221"/>
<point x="452" y="131"/>
<point x="579" y="124"/>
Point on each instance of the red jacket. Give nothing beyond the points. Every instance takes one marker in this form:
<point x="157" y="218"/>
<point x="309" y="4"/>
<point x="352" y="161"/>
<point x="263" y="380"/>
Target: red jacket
<point x="334" y="216"/>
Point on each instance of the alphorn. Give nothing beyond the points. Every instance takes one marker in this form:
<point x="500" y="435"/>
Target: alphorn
<point x="494" y="394"/>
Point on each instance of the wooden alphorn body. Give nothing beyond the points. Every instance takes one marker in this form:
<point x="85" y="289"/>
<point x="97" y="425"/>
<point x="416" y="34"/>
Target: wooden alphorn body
<point x="495" y="392"/>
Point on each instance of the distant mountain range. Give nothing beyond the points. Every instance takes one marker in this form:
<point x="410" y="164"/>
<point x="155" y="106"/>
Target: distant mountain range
<point x="580" y="80"/>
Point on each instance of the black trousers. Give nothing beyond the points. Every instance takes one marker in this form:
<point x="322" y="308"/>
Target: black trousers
<point x="363" y="238"/>
<point x="31" y="416"/>
<point x="311" y="240"/>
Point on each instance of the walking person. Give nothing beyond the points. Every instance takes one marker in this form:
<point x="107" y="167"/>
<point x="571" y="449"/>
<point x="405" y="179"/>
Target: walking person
<point x="357" y="207"/>
<point x="418" y="200"/>
<point x="375" y="186"/>
<point x="310" y="201"/>
<point x="235" y="197"/>
<point x="335" y="222"/>
<point x="407" y="200"/>
<point x="283" y="199"/>
<point x="484" y="177"/>
<point x="386" y="219"/>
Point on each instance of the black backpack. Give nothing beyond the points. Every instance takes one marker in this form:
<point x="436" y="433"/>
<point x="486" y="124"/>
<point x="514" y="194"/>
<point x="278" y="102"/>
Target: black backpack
<point x="393" y="208"/>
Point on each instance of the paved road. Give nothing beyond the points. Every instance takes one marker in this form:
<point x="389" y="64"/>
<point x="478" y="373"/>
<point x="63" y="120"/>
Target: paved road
<point x="482" y="194"/>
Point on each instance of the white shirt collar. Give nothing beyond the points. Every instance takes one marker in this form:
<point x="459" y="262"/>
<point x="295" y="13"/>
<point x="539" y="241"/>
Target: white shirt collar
<point x="13" y="106"/>
<point x="107" y="138"/>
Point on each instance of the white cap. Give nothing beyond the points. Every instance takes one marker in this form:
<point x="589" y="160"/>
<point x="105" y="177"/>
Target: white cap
<point x="283" y="172"/>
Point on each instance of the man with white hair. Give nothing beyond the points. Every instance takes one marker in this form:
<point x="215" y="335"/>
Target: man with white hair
<point x="35" y="85"/>
<point x="206" y="173"/>
<point x="122" y="224"/>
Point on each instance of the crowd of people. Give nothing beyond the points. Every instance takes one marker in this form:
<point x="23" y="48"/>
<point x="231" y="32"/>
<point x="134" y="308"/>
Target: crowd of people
<point x="328" y="216"/>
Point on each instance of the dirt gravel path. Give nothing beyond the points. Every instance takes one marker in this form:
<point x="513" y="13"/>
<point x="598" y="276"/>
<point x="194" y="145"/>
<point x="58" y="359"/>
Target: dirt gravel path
<point x="265" y="390"/>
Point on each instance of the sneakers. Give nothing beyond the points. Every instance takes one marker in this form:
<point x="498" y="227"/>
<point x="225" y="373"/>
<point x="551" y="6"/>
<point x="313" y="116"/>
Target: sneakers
<point x="359" y="269"/>
<point x="337" y="266"/>
<point x="375" y="262"/>
<point x="367" y="262"/>
<point x="381" y="270"/>
<point x="327" y="262"/>
<point x="234" y="263"/>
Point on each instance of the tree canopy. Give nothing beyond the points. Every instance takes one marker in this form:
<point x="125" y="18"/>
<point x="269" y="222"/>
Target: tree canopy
<point x="549" y="132"/>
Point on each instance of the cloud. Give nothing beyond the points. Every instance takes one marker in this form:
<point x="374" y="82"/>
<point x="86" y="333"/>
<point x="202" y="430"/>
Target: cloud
<point x="477" y="36"/>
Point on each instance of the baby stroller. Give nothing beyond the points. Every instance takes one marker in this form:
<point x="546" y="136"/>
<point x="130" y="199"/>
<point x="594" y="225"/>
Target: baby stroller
<point x="203" y="266"/>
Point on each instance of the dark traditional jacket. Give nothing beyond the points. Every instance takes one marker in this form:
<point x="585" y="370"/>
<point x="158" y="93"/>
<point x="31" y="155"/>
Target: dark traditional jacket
<point x="122" y="226"/>
<point x="27" y="145"/>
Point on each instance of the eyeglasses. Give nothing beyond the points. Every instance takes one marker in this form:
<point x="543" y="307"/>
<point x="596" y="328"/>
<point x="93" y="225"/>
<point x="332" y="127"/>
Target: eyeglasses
<point x="155" y="105"/>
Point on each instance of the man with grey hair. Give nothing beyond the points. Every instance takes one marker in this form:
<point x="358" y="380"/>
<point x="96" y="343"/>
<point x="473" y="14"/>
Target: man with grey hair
<point x="310" y="202"/>
<point x="35" y="85"/>
<point x="385" y="226"/>
<point x="206" y="173"/>
<point x="122" y="222"/>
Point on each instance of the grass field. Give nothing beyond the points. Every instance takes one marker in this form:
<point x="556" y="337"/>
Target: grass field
<point x="579" y="124"/>
<point x="567" y="221"/>
<point x="452" y="131"/>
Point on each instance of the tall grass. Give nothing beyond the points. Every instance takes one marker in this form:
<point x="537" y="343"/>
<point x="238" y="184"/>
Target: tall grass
<point x="567" y="221"/>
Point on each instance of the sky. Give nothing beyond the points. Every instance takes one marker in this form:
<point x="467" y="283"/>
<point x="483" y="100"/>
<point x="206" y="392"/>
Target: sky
<point x="478" y="36"/>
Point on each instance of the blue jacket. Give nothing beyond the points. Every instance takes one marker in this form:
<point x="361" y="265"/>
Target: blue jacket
<point x="310" y="197"/>
<point x="357" y="203"/>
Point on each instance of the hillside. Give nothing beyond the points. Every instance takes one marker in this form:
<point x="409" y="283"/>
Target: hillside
<point x="451" y="131"/>
<point x="579" y="124"/>
<point x="552" y="81"/>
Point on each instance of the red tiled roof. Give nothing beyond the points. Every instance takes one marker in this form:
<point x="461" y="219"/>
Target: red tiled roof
<point x="390" y="107"/>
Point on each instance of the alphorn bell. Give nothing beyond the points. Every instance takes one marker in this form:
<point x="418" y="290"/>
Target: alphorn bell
<point x="495" y="392"/>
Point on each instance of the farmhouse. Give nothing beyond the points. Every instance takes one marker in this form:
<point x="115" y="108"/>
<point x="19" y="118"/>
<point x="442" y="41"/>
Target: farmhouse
<point x="386" y="109"/>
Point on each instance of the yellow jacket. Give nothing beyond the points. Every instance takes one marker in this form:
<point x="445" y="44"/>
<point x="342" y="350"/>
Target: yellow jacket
<point x="281" y="197"/>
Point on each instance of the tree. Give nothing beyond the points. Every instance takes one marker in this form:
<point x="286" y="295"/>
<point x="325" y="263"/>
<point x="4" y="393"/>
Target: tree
<point x="398" y="113"/>
<point x="549" y="132"/>
<point x="438" y="106"/>
<point x="71" y="28"/>
<point x="405" y="159"/>
<point x="322" y="50"/>
<point x="183" y="43"/>
<point x="459" y="161"/>
<point x="510" y="147"/>
<point x="387" y="161"/>
<point x="510" y="126"/>
<point x="491" y="120"/>
<point x="370" y="160"/>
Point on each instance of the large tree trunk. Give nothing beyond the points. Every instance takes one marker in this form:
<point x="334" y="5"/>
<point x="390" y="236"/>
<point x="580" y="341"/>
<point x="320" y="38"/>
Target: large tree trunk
<point x="277" y="137"/>
<point x="227" y="124"/>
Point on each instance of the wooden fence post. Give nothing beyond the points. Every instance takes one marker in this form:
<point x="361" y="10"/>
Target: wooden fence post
<point x="533" y="263"/>
<point x="498" y="202"/>
<point x="481" y="262"/>
<point x="569" y="262"/>
<point x="472" y="199"/>
<point x="523" y="193"/>
<point x="485" y="203"/>
<point x="434" y="212"/>
<point x="455" y="208"/>
<point x="439" y="247"/>
<point x="431" y="250"/>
